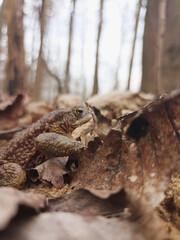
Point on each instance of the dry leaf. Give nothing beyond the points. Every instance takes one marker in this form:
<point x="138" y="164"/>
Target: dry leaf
<point x="68" y="226"/>
<point x="12" y="199"/>
<point x="169" y="209"/>
<point x="66" y="101"/>
<point x="11" y="112"/>
<point x="114" y="104"/>
<point x="34" y="111"/>
<point x="84" y="202"/>
<point x="122" y="176"/>
<point x="138" y="155"/>
<point x="51" y="171"/>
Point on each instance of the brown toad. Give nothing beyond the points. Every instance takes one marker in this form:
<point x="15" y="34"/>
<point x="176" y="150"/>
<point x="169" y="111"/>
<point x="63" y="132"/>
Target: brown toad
<point x="25" y="150"/>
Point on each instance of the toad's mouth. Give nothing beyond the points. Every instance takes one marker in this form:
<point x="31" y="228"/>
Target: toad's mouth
<point x="86" y="118"/>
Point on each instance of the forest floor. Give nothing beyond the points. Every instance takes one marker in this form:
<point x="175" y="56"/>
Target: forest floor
<point x="123" y="185"/>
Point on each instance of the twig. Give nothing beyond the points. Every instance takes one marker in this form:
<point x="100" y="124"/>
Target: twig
<point x="96" y="80"/>
<point x="53" y="75"/>
<point x="134" y="43"/>
<point x="8" y="134"/>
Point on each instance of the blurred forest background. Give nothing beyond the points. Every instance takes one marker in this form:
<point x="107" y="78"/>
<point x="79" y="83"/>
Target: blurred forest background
<point x="88" y="47"/>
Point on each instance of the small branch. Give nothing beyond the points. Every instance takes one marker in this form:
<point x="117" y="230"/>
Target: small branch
<point x="39" y="76"/>
<point x="53" y="75"/>
<point x="134" y="43"/>
<point x="68" y="63"/>
<point x="8" y="134"/>
<point x="96" y="79"/>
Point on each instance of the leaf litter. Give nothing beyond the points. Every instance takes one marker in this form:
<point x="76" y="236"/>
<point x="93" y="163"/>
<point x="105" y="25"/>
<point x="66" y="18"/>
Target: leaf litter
<point x="120" y="180"/>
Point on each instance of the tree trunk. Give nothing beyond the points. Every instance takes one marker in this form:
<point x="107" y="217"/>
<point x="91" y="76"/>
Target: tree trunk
<point x="161" y="58"/>
<point x="134" y="43"/>
<point x="83" y="79"/>
<point x="122" y="29"/>
<point x="160" y="40"/>
<point x="96" y="80"/>
<point x="16" y="68"/>
<point x="68" y="63"/>
<point x="39" y="70"/>
<point x="2" y="17"/>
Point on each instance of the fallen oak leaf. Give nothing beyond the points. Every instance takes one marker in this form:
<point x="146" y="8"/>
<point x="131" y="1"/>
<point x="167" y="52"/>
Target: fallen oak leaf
<point x="172" y="98"/>
<point x="128" y="209"/>
<point x="66" y="226"/>
<point x="34" y="111"/>
<point x="140" y="161"/>
<point x="102" y="124"/>
<point x="51" y="172"/>
<point x="86" y="203"/>
<point x="169" y="208"/>
<point x="95" y="165"/>
<point x="10" y="114"/>
<point x="114" y="104"/>
<point x="11" y="200"/>
<point x="15" y="109"/>
<point x="66" y="101"/>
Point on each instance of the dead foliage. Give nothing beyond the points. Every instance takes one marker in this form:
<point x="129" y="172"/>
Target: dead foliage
<point x="34" y="111"/>
<point x="66" y="101"/>
<point x="169" y="209"/>
<point x="114" y="104"/>
<point x="13" y="200"/>
<point x="117" y="181"/>
<point x="11" y="109"/>
<point x="50" y="172"/>
<point x="138" y="154"/>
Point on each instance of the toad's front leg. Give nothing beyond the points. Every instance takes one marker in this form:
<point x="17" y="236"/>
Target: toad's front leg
<point x="56" y="145"/>
<point x="53" y="145"/>
<point x="11" y="174"/>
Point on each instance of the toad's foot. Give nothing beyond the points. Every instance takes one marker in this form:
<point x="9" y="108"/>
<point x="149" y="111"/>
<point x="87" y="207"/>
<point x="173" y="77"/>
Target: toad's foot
<point x="56" y="145"/>
<point x="50" y="145"/>
<point x="11" y="174"/>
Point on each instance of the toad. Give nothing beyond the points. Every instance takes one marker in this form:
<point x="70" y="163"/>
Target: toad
<point x="51" y="135"/>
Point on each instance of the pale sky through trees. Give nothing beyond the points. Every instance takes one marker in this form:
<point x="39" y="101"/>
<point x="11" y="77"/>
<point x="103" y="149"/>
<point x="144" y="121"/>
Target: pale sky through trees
<point x="117" y="35"/>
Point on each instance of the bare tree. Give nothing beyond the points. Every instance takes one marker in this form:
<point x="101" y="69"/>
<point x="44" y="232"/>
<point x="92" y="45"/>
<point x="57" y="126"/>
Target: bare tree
<point x="16" y="68"/>
<point x="160" y="40"/>
<point x="33" y="65"/>
<point x="3" y="80"/>
<point x="96" y="80"/>
<point x="148" y="83"/>
<point x="39" y="70"/>
<point x="134" y="42"/>
<point x="83" y="79"/>
<point x="161" y="59"/>
<point x="122" y="38"/>
<point x="68" y="63"/>
<point x="2" y="16"/>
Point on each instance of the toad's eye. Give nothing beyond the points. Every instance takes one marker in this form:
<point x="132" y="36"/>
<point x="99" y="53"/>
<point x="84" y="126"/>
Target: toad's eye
<point x="79" y="111"/>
